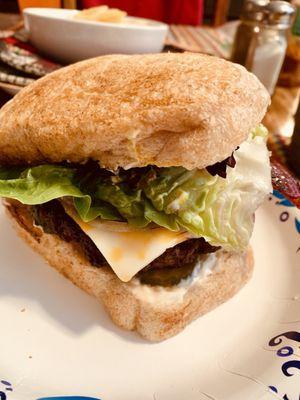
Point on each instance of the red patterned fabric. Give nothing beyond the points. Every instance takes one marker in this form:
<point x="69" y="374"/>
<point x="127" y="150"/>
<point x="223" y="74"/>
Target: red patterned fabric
<point x="285" y="182"/>
<point x="170" y="11"/>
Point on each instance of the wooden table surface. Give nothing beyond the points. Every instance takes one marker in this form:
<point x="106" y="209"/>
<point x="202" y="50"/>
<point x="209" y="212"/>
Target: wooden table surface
<point x="7" y="21"/>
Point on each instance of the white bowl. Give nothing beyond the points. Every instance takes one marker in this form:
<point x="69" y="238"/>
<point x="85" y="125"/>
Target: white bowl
<point x="55" y="33"/>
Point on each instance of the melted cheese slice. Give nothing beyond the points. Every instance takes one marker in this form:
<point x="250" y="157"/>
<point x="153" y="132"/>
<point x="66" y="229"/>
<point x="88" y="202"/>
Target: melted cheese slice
<point x="129" y="251"/>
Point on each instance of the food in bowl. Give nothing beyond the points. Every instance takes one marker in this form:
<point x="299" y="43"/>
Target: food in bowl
<point x="101" y="14"/>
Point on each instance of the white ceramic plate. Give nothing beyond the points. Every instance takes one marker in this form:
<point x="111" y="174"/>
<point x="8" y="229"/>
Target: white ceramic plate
<point x="58" y="341"/>
<point x="55" y="33"/>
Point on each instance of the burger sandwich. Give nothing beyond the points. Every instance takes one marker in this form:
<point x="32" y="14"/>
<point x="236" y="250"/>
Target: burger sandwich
<point x="137" y="177"/>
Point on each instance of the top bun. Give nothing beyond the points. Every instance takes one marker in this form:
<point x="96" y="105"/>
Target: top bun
<point x="169" y="109"/>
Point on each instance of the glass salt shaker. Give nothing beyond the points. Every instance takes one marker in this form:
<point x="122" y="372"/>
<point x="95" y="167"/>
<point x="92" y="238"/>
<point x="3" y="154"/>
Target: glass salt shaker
<point x="267" y="49"/>
<point x="251" y="17"/>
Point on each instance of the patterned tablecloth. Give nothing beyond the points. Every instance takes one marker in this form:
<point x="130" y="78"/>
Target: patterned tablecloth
<point x="20" y="64"/>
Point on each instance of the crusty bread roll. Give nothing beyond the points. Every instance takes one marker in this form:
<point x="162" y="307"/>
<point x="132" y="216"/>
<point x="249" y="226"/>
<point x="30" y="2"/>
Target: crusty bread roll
<point x="155" y="321"/>
<point x="189" y="110"/>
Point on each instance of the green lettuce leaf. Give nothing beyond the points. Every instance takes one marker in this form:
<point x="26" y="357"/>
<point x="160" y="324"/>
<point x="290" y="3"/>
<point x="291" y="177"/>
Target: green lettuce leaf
<point x="38" y="185"/>
<point x="220" y="210"/>
<point x="89" y="210"/>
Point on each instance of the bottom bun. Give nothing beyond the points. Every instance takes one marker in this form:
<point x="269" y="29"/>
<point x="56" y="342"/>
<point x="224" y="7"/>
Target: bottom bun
<point x="153" y="320"/>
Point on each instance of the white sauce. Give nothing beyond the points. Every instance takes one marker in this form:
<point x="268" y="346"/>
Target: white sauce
<point x="165" y="295"/>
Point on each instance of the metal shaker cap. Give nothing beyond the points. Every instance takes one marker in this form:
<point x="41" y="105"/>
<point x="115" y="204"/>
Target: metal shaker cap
<point x="253" y="10"/>
<point x="279" y="14"/>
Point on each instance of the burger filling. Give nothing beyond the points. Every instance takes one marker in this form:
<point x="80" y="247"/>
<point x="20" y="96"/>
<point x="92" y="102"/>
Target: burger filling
<point x="151" y="222"/>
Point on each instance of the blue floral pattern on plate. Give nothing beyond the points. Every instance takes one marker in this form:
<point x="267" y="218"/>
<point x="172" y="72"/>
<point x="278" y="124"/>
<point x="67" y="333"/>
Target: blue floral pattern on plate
<point x="283" y="201"/>
<point x="289" y="366"/>
<point x="5" y="388"/>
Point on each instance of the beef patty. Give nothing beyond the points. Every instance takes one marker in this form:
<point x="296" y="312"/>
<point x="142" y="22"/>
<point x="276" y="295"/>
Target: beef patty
<point x="174" y="264"/>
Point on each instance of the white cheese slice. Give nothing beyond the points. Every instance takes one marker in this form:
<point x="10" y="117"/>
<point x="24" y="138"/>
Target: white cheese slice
<point x="129" y="251"/>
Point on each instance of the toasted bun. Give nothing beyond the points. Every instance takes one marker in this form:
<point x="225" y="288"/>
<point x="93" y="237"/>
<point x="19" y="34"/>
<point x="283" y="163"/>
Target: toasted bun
<point x="188" y="110"/>
<point x="154" y="321"/>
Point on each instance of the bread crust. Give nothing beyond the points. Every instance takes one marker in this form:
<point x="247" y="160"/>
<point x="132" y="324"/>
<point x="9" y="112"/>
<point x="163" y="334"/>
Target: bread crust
<point x="189" y="110"/>
<point x="155" y="321"/>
